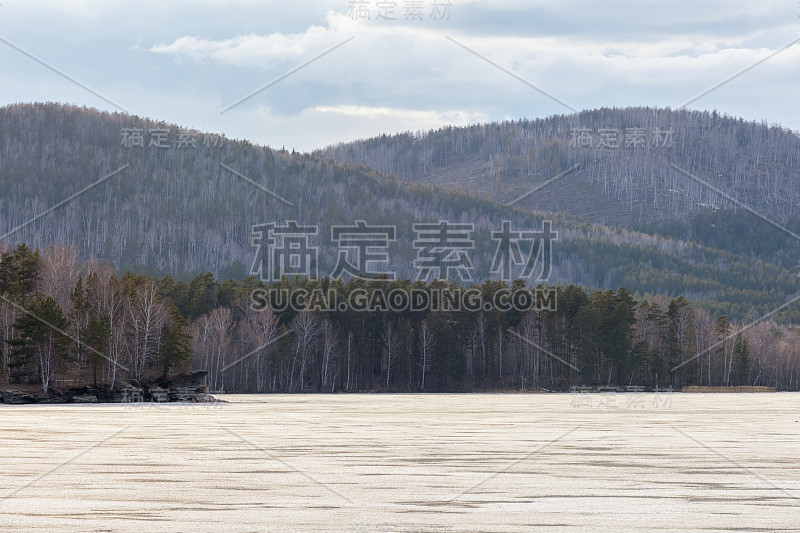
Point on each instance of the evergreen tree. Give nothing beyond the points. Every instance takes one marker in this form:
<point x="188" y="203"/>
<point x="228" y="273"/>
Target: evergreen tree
<point x="176" y="343"/>
<point x="741" y="359"/>
<point x="41" y="342"/>
<point x="80" y="319"/>
<point x="672" y="352"/>
<point x="722" y="329"/>
<point x="96" y="336"/>
<point x="20" y="272"/>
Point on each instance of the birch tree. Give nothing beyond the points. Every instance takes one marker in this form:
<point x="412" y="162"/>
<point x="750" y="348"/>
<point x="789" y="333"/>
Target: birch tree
<point x="145" y="315"/>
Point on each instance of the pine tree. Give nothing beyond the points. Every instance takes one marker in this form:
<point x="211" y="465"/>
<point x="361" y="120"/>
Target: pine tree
<point x="723" y="330"/>
<point x="741" y="359"/>
<point x="41" y="340"/>
<point x="176" y="343"/>
<point x="95" y="338"/>
<point x="672" y="350"/>
<point x="80" y="318"/>
<point x="20" y="272"/>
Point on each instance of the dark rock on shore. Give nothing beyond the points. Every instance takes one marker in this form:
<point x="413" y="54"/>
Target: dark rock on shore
<point x="130" y="392"/>
<point x="192" y="379"/>
<point x="179" y="388"/>
<point x="17" y="397"/>
<point x="84" y="398"/>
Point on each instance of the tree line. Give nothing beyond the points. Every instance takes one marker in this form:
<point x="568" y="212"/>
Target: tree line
<point x="64" y="322"/>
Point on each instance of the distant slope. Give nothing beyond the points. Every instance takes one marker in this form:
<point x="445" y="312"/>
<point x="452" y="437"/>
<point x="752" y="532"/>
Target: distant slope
<point x="179" y="211"/>
<point x="757" y="164"/>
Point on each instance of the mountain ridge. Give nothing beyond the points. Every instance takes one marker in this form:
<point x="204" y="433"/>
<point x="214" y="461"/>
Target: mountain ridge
<point x="184" y="211"/>
<point x="508" y="158"/>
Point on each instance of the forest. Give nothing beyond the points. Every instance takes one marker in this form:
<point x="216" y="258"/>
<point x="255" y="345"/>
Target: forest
<point x="626" y="163"/>
<point x="174" y="210"/>
<point x="65" y="322"/>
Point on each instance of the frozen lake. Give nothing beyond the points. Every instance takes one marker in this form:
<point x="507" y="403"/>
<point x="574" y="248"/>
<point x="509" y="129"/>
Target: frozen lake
<point x="560" y="462"/>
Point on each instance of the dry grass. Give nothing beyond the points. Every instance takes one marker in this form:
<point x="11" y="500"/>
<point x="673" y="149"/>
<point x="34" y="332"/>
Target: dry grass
<point x="697" y="388"/>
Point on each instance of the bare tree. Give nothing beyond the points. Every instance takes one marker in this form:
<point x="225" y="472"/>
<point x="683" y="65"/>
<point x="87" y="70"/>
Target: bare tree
<point x="349" y="357"/>
<point x="211" y="339"/>
<point x="500" y="345"/>
<point x="145" y="315"/>
<point x="60" y="273"/>
<point x="704" y="333"/>
<point x="425" y="348"/>
<point x="220" y="321"/>
<point x="330" y="351"/>
<point x="481" y="325"/>
<point x="259" y="330"/>
<point x="761" y="340"/>
<point x="529" y="361"/>
<point x="305" y="327"/>
<point x="391" y="348"/>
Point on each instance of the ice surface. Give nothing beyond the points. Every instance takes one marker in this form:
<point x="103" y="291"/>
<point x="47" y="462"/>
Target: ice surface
<point x="556" y="462"/>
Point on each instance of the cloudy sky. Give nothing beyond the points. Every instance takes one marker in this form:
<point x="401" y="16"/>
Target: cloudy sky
<point x="304" y="74"/>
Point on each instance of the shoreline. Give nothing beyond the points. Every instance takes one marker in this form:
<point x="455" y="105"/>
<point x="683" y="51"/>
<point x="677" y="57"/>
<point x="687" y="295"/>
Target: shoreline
<point x="199" y="394"/>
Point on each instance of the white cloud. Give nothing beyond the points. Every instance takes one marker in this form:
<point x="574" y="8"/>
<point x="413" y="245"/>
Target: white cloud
<point x="251" y="50"/>
<point x="384" y="55"/>
<point x="320" y="126"/>
<point x="185" y="60"/>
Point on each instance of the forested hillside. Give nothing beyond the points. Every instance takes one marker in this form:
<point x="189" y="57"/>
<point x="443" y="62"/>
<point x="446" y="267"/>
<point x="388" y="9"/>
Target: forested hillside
<point x="157" y="199"/>
<point x="624" y="175"/>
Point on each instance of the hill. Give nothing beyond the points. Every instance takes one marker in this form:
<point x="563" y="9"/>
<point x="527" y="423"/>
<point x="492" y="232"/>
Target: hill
<point x="685" y="174"/>
<point x="185" y="202"/>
